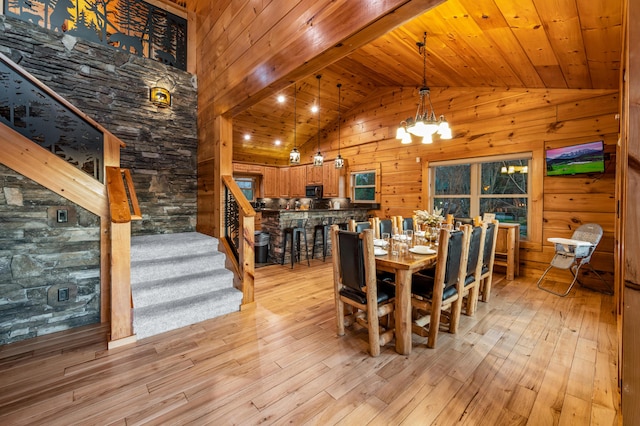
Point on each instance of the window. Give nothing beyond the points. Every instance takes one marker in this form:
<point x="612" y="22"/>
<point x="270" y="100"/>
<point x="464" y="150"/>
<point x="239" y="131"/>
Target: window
<point x="247" y="186"/>
<point x="363" y="186"/>
<point x="497" y="185"/>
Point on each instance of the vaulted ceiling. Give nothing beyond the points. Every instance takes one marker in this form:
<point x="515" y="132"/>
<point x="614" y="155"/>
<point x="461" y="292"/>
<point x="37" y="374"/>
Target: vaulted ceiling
<point x="573" y="44"/>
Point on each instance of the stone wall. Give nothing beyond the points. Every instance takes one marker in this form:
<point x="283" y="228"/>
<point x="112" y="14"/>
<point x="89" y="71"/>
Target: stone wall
<point x="49" y="271"/>
<point x="41" y="261"/>
<point x="112" y="87"/>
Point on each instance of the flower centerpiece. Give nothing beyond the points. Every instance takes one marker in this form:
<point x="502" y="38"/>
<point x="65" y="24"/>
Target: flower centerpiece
<point x="423" y="217"/>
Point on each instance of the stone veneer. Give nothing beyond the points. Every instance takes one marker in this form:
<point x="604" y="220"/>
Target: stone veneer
<point x="274" y="221"/>
<point x="40" y="257"/>
<point x="37" y="257"/>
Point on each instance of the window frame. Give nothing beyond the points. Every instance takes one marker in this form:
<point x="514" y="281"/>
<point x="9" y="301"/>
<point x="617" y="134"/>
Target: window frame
<point x="254" y="185"/>
<point x="354" y="186"/>
<point x="475" y="191"/>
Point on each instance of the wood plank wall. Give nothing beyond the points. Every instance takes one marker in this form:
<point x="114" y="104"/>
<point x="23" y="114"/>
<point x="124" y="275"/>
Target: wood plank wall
<point x="485" y="121"/>
<point x="246" y="50"/>
<point x="489" y="122"/>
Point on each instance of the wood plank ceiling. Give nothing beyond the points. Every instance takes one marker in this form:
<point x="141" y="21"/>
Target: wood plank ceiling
<point x="573" y="44"/>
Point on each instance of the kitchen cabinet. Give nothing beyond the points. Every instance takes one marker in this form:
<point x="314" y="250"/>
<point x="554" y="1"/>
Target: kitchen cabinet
<point x="297" y="181"/>
<point x="283" y="182"/>
<point x="330" y="180"/>
<point x="270" y="182"/>
<point x="314" y="174"/>
<point x="253" y="169"/>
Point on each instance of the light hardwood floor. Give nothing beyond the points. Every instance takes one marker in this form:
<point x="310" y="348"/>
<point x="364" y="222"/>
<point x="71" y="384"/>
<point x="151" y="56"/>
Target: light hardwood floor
<point x="526" y="358"/>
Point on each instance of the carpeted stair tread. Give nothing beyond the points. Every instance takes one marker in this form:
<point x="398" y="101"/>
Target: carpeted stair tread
<point x="158" y="291"/>
<point x="182" y="263"/>
<point x="159" y="246"/>
<point x="159" y="318"/>
<point x="177" y="280"/>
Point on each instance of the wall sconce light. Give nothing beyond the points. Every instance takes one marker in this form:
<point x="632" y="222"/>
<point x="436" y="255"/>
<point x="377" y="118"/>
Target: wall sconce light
<point x="160" y="97"/>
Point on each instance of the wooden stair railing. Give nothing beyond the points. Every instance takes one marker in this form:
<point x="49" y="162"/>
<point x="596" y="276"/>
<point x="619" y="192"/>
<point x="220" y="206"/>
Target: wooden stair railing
<point x="52" y="172"/>
<point x="239" y="227"/>
<point x="122" y="200"/>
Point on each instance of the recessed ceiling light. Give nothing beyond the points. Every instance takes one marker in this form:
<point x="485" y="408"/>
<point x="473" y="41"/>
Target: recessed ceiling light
<point x="247" y="137"/>
<point x="314" y="108"/>
<point x="281" y="98"/>
<point x="277" y="142"/>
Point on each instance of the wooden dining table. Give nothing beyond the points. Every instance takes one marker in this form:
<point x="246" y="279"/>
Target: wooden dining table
<point x="403" y="266"/>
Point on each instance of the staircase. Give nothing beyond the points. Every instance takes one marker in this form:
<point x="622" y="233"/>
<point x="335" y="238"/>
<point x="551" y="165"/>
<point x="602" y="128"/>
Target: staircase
<point x="177" y="280"/>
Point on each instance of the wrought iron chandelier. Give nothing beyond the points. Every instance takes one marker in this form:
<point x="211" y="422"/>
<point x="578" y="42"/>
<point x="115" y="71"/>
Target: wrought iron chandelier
<point x="339" y="161"/>
<point x="425" y="124"/>
<point x="294" y="155"/>
<point x="318" y="159"/>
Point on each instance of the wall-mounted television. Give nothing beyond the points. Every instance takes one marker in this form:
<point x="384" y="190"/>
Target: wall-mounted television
<point x="574" y="159"/>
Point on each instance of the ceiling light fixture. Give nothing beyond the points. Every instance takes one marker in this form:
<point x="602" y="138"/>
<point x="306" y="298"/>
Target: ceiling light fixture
<point x="339" y="161"/>
<point x="318" y="159"/>
<point x="425" y="124"/>
<point x="294" y="155"/>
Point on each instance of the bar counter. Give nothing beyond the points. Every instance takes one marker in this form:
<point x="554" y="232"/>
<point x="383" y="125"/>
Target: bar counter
<point x="275" y="220"/>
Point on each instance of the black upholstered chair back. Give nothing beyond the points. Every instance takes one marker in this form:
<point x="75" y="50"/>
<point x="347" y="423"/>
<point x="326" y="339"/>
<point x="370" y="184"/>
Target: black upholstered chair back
<point x="490" y="234"/>
<point x="361" y="226"/>
<point x="386" y="226"/>
<point x="474" y="249"/>
<point x="407" y="223"/>
<point x="351" y="260"/>
<point x="453" y="260"/>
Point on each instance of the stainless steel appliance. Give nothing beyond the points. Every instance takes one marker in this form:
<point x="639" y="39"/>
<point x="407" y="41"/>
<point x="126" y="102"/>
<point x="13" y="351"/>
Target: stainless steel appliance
<point x="314" y="191"/>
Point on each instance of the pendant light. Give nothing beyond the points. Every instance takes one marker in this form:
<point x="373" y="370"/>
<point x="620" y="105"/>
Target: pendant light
<point x="339" y="161"/>
<point x="318" y="159"/>
<point x="425" y="124"/>
<point x="294" y="155"/>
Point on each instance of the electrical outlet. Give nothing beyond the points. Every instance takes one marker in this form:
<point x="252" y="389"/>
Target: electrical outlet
<point x="63" y="294"/>
<point x="62" y="216"/>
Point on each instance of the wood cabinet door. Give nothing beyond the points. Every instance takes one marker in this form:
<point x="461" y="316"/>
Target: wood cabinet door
<point x="330" y="183"/>
<point x="270" y="182"/>
<point x="297" y="181"/>
<point x="314" y="175"/>
<point x="283" y="182"/>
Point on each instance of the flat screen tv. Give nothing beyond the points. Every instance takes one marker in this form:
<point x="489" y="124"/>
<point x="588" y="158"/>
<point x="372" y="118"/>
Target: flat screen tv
<point x="574" y="159"/>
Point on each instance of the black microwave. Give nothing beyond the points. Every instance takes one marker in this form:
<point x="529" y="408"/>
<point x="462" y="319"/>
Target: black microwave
<point x="314" y="191"/>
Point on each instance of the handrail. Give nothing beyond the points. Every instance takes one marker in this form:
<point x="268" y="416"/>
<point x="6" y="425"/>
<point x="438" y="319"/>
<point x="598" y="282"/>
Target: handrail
<point x="242" y="248"/>
<point x="120" y="196"/>
<point x="55" y="96"/>
<point x="54" y="173"/>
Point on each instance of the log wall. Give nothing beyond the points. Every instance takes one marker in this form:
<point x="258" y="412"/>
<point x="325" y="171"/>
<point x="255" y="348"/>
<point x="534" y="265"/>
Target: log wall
<point x="488" y="122"/>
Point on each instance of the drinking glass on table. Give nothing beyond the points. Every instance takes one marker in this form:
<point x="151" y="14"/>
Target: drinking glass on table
<point x="408" y="234"/>
<point x="386" y="237"/>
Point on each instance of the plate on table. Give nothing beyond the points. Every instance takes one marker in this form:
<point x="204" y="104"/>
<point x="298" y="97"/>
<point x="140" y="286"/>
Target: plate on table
<point x="422" y="250"/>
<point x="379" y="251"/>
<point x="379" y="243"/>
<point x="419" y="233"/>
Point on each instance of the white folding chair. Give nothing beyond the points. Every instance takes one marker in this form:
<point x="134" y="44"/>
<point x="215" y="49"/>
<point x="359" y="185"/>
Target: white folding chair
<point x="572" y="253"/>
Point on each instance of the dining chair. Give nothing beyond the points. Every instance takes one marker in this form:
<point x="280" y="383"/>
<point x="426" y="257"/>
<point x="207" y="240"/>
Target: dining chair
<point x="397" y="223"/>
<point x="433" y="296"/>
<point x="488" y="256"/>
<point x="408" y="223"/>
<point x="386" y="226"/>
<point x="356" y="285"/>
<point x="474" y="267"/>
<point x="358" y="226"/>
<point x="375" y="225"/>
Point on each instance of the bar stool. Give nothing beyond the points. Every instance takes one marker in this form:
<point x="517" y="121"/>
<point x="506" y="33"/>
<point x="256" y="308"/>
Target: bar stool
<point x="323" y="228"/>
<point x="296" y="228"/>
